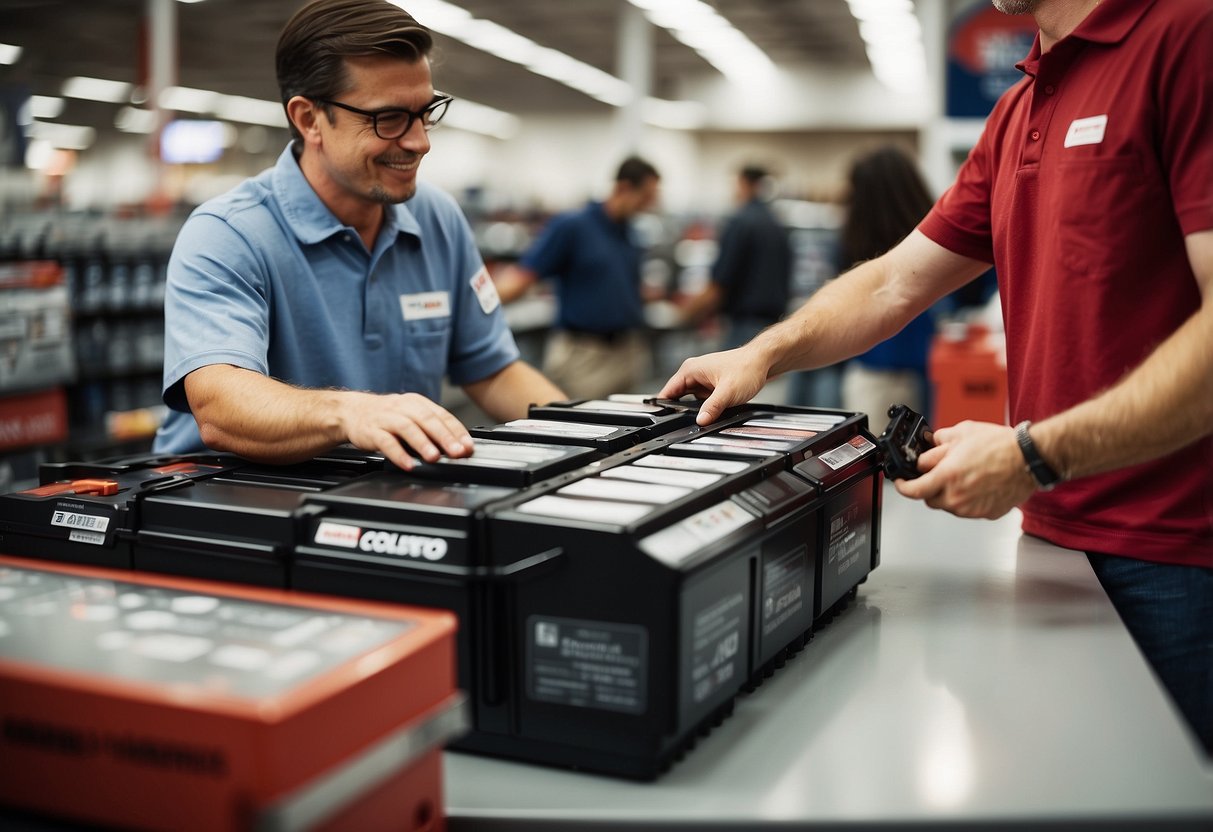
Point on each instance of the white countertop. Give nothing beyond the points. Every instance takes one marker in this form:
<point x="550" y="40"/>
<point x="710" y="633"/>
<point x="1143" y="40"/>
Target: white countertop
<point x="980" y="677"/>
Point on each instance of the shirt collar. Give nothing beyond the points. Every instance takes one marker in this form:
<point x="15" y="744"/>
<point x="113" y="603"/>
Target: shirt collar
<point x="1109" y="22"/>
<point x="311" y="219"/>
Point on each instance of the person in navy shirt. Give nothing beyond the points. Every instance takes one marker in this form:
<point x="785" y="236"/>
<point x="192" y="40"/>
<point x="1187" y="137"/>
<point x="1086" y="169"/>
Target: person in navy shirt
<point x="323" y="301"/>
<point x="599" y="345"/>
<point x="751" y="279"/>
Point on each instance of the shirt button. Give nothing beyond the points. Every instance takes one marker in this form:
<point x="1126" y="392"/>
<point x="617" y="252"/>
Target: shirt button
<point x="1050" y="89"/>
<point x="1035" y="135"/>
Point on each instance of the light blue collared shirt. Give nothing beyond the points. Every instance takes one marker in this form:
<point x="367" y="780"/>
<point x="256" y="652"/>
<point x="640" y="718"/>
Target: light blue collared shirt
<point x="266" y="278"/>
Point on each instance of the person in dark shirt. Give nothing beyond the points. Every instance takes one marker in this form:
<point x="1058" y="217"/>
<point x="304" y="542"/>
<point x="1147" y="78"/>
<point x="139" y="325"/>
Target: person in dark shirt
<point x="600" y="345"/>
<point x="750" y="279"/>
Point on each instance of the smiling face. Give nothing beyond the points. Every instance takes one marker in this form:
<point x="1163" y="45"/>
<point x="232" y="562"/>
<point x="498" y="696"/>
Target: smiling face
<point x="354" y="171"/>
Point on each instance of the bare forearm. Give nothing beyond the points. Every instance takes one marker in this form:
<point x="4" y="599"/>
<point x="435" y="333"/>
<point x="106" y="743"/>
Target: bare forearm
<point x="513" y="283"/>
<point x="507" y="394"/>
<point x="1163" y="405"/>
<point x="259" y="418"/>
<point x="246" y="413"/>
<point x="866" y="305"/>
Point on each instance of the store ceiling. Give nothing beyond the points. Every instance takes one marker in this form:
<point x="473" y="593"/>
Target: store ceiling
<point x="228" y="46"/>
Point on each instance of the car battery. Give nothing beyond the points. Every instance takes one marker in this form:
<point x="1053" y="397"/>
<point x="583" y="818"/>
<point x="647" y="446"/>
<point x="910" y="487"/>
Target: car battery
<point x="240" y="525"/>
<point x="500" y="462"/>
<point x="832" y="450"/>
<point x="413" y="538"/>
<point x="674" y="577"/>
<point x="653" y="418"/>
<point x="150" y="702"/>
<point x="85" y="513"/>
<point x="606" y="425"/>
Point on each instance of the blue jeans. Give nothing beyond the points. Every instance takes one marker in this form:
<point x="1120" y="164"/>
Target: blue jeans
<point x="1169" y="612"/>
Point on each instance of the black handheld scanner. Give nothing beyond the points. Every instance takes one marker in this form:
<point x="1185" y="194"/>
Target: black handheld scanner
<point x="904" y="439"/>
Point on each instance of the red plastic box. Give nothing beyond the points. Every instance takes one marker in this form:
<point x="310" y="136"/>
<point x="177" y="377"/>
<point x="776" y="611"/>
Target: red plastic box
<point x="149" y="702"/>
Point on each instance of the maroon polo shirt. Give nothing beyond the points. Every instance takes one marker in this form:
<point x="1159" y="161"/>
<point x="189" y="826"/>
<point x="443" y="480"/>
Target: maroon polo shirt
<point x="1089" y="174"/>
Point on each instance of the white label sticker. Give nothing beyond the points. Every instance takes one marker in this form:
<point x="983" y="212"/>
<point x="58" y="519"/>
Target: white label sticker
<point x="846" y="453"/>
<point x="686" y="463"/>
<point x="486" y="290"/>
<point x="92" y="538"/>
<point x="676" y="543"/>
<point x="662" y="476"/>
<point x="554" y="428"/>
<point x="72" y="520"/>
<point x="613" y="489"/>
<point x="425" y="305"/>
<point x="597" y="511"/>
<point x="1086" y="130"/>
<point x="337" y="534"/>
<point x="716" y="522"/>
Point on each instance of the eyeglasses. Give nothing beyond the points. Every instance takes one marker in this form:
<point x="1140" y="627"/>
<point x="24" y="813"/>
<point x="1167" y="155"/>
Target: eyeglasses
<point x="394" y="122"/>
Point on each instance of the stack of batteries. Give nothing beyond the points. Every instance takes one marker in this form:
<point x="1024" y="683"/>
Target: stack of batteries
<point x="620" y="574"/>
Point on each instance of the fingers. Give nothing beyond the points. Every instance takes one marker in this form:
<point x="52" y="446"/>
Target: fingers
<point x="674" y="388"/>
<point x="401" y="426"/>
<point x="712" y="407"/>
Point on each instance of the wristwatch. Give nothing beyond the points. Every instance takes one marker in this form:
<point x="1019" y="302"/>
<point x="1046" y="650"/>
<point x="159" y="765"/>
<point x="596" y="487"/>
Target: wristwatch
<point x="1040" y="470"/>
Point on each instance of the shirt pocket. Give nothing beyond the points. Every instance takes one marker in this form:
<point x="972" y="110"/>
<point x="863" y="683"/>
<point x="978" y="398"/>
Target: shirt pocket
<point x="426" y="346"/>
<point x="1099" y="208"/>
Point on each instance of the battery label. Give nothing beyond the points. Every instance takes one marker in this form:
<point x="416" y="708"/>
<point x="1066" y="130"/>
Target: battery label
<point x="92" y="538"/>
<point x="88" y="522"/>
<point x="683" y="463"/>
<point x="587" y="664"/>
<point x="613" y="489"/>
<point x="716" y="646"/>
<point x="662" y="476"/>
<point x="848" y="539"/>
<point x="848" y="452"/>
<point x="784" y="587"/>
<point x="555" y="428"/>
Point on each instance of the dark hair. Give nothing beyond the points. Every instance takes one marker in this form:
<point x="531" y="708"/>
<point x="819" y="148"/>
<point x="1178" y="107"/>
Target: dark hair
<point x="319" y="37"/>
<point x="888" y="200"/>
<point x="635" y="171"/>
<point x="753" y="174"/>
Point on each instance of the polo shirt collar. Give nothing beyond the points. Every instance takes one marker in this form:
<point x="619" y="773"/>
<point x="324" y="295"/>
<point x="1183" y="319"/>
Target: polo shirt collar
<point x="1109" y="22"/>
<point x="311" y="219"/>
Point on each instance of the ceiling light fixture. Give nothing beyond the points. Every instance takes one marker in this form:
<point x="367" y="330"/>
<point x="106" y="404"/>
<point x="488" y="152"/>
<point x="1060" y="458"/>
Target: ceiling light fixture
<point x="96" y="89"/>
<point x="892" y="38"/>
<point x="495" y="39"/>
<point x="135" y="120"/>
<point x="699" y="26"/>
<point x="45" y="106"/>
<point x="10" y="53"/>
<point x="63" y="136"/>
<point x="458" y="23"/>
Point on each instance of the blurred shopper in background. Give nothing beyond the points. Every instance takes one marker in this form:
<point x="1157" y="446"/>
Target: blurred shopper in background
<point x="886" y="201"/>
<point x="750" y="280"/>
<point x="1090" y="191"/>
<point x="324" y="300"/>
<point x="600" y="344"/>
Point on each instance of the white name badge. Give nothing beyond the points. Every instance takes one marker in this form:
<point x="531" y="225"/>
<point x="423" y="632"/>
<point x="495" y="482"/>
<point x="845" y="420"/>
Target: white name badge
<point x="1086" y="130"/>
<point x="425" y="305"/>
<point x="486" y="290"/>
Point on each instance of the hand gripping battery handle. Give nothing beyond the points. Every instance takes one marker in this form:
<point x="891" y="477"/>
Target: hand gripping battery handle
<point x="904" y="439"/>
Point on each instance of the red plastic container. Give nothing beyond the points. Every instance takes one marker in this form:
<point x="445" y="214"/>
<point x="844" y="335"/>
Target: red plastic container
<point x="967" y="367"/>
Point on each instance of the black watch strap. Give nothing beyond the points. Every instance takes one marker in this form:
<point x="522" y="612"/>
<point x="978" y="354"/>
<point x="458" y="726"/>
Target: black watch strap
<point x="1040" y="470"/>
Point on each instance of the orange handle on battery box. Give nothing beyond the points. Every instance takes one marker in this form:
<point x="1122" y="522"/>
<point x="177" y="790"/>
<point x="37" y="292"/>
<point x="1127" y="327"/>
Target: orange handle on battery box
<point x="99" y="488"/>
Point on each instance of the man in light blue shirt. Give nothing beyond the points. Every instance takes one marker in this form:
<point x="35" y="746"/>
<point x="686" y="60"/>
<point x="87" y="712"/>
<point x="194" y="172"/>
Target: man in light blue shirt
<point x="324" y="300"/>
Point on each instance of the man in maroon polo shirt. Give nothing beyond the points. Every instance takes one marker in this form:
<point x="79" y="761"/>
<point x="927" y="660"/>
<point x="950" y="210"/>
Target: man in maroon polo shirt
<point x="1091" y="191"/>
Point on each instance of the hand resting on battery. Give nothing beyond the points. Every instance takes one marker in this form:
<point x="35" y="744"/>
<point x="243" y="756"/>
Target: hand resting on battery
<point x="720" y="379"/>
<point x="246" y="413"/>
